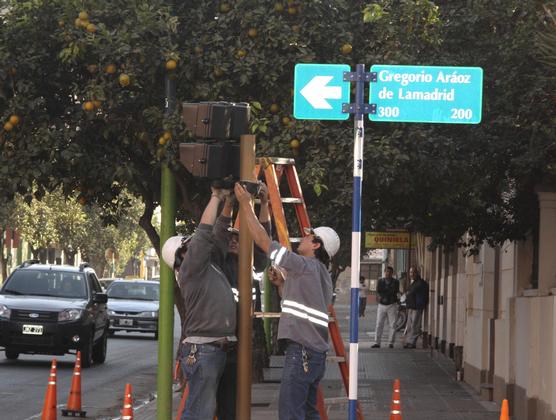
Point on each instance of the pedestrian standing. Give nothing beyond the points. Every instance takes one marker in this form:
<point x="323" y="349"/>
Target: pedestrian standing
<point x="388" y="289"/>
<point x="417" y="299"/>
<point x="306" y="295"/>
<point x="363" y="293"/>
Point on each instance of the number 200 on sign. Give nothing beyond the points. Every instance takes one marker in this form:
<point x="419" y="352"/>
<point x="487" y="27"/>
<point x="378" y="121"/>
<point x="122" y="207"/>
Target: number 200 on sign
<point x="461" y="114"/>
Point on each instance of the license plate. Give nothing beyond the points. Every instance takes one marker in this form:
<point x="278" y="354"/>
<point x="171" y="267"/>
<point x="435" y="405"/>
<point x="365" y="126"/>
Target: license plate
<point x="126" y="322"/>
<point x="33" y="329"/>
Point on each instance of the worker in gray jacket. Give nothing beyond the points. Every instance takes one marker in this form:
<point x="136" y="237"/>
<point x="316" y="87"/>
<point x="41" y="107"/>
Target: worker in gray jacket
<point x="210" y="319"/>
<point x="306" y="294"/>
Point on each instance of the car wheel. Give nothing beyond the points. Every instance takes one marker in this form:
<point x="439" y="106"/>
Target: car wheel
<point x="99" y="349"/>
<point x="87" y="352"/>
<point x="11" y="355"/>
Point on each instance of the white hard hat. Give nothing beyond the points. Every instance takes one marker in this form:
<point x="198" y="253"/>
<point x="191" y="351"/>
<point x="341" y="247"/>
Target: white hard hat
<point x="330" y="238"/>
<point x="170" y="247"/>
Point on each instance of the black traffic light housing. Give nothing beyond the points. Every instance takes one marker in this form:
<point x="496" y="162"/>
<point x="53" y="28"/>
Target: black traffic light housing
<point x="217" y="127"/>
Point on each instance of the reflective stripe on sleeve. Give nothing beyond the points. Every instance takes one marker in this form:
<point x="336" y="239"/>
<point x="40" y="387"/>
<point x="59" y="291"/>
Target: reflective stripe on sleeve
<point x="302" y="311"/>
<point x="277" y="255"/>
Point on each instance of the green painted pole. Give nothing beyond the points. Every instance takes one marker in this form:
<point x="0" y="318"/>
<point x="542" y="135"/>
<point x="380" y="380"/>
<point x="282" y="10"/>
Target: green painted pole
<point x="166" y="311"/>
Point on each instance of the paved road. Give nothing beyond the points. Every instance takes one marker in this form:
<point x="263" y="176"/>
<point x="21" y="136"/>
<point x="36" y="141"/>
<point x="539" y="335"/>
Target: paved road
<point x="132" y="357"/>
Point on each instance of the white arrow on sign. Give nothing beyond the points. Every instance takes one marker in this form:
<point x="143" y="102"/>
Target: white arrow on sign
<point x="316" y="92"/>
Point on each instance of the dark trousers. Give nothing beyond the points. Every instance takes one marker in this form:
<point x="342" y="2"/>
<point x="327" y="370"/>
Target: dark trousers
<point x="298" y="390"/>
<point x="227" y="389"/>
<point x="362" y="306"/>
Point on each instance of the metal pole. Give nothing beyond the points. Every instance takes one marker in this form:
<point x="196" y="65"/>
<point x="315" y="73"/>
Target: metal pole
<point x="356" y="239"/>
<point x="245" y="269"/>
<point x="166" y="311"/>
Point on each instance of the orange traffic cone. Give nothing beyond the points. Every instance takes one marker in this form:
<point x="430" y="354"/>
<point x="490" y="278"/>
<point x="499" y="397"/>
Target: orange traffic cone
<point x="49" y="407"/>
<point x="396" y="385"/>
<point x="127" y="411"/>
<point x="73" y="408"/>
<point x="396" y="406"/>
<point x="505" y="412"/>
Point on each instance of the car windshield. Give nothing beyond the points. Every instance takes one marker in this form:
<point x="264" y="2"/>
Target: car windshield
<point x="137" y="291"/>
<point x="46" y="283"/>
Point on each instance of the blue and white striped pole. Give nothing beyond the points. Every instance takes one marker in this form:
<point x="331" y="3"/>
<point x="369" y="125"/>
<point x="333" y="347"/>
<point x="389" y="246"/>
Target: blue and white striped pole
<point x="356" y="239"/>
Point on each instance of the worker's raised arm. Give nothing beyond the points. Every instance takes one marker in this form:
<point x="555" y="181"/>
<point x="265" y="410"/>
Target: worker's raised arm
<point x="257" y="231"/>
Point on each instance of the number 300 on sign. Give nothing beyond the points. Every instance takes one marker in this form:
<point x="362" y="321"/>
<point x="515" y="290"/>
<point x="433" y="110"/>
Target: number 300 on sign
<point x="388" y="111"/>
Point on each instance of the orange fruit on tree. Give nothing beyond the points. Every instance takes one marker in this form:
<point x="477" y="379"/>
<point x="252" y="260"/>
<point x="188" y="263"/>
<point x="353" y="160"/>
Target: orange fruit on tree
<point x="274" y="108"/>
<point x="279" y="7"/>
<point x="292" y="10"/>
<point x="124" y="80"/>
<point x="224" y="8"/>
<point x="162" y="141"/>
<point x="286" y="120"/>
<point x="14" y="120"/>
<point x="218" y="72"/>
<point x="294" y="143"/>
<point x="82" y="200"/>
<point x="167" y="135"/>
<point x="77" y="22"/>
<point x="61" y="23"/>
<point x="8" y="126"/>
<point x="252" y="33"/>
<point x="92" y="68"/>
<point x="171" y="64"/>
<point x="91" y="28"/>
<point x="241" y="53"/>
<point x="296" y="28"/>
<point x="88" y="106"/>
<point x="83" y="15"/>
<point x="346" y="48"/>
<point x="110" y="69"/>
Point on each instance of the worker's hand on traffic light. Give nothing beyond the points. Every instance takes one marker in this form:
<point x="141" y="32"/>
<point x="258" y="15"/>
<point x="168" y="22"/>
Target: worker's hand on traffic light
<point x="241" y="194"/>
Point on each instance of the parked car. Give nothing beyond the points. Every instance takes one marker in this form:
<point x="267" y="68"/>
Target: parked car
<point x="53" y="309"/>
<point x="133" y="306"/>
<point x="105" y="282"/>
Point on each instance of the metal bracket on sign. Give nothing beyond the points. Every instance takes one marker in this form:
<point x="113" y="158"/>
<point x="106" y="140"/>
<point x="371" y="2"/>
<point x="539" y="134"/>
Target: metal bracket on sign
<point x="354" y="109"/>
<point x="351" y="76"/>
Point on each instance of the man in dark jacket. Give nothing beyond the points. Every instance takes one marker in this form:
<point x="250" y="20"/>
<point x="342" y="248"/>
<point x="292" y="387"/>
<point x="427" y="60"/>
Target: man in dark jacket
<point x="211" y="313"/>
<point x="228" y="240"/>
<point x="387" y="290"/>
<point x="417" y="299"/>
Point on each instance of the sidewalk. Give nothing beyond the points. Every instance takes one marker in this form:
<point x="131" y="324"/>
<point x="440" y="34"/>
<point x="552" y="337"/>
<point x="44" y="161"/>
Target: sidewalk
<point x="428" y="386"/>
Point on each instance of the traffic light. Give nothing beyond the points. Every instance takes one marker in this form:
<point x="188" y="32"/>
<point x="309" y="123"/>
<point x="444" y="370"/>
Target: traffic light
<point x="216" y="127"/>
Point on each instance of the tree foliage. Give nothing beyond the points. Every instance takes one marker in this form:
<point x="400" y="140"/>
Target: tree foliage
<point x="440" y="180"/>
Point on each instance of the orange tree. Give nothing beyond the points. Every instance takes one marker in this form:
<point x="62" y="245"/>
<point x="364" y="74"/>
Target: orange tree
<point x="81" y="101"/>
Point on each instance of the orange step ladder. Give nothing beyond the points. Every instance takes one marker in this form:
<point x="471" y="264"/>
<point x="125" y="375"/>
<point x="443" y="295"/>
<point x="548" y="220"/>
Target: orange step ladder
<point x="274" y="171"/>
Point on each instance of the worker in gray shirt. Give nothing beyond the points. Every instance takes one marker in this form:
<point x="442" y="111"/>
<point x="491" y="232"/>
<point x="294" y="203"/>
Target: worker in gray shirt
<point x="306" y="294"/>
<point x="210" y="321"/>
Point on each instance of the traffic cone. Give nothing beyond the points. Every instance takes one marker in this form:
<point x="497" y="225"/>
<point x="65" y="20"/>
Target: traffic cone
<point x="73" y="407"/>
<point x="396" y="406"/>
<point x="505" y="412"/>
<point x="49" y="407"/>
<point x="396" y="385"/>
<point x="127" y="411"/>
